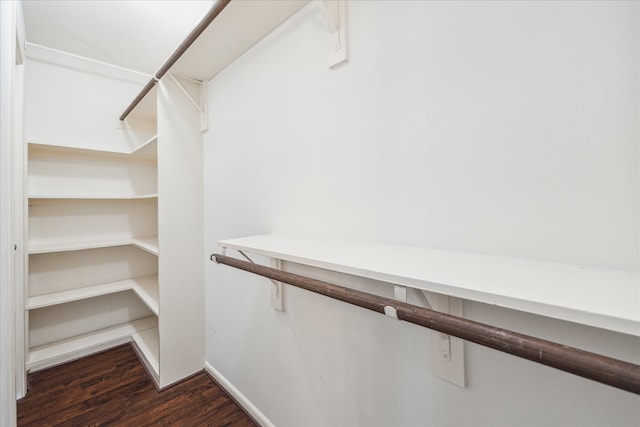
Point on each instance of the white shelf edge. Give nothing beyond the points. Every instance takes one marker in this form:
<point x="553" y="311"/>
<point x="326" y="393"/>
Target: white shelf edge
<point x="46" y="300"/>
<point x="63" y="351"/>
<point x="146" y="287"/>
<point x="89" y="151"/>
<point x="148" y="244"/>
<point x="142" y="286"/>
<point x="92" y="197"/>
<point x="509" y="273"/>
<point x="149" y="345"/>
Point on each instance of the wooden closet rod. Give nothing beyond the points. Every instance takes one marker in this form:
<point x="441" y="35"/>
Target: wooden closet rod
<point x="193" y="35"/>
<point x="603" y="369"/>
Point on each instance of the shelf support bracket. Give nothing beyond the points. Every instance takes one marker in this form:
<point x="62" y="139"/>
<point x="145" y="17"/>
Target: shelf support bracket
<point x="201" y="104"/>
<point x="400" y="293"/>
<point x="335" y="12"/>
<point x="277" y="289"/>
<point x="447" y="352"/>
<point x="277" y="297"/>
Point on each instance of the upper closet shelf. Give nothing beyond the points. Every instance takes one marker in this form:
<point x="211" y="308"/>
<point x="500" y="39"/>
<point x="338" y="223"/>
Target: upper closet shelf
<point x="238" y="27"/>
<point x="603" y="298"/>
<point x="227" y="31"/>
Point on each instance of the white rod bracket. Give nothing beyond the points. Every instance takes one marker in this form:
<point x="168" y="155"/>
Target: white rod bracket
<point x="204" y="101"/>
<point x="335" y="12"/>
<point x="447" y="352"/>
<point x="277" y="290"/>
<point x="391" y="312"/>
<point x="400" y="293"/>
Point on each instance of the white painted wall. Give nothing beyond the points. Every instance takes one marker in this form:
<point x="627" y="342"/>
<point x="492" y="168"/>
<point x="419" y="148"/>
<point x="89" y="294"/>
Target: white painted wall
<point x="73" y="102"/>
<point x="508" y="128"/>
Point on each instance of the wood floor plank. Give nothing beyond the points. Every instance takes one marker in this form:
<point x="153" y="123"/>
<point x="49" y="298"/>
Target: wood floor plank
<point x="112" y="389"/>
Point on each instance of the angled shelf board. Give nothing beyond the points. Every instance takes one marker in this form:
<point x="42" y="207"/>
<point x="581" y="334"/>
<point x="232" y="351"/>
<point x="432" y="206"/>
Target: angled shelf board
<point x="607" y="299"/>
<point x="62" y="297"/>
<point x="145" y="287"/>
<point x="149" y="244"/>
<point x="147" y="151"/>
<point x="52" y="354"/>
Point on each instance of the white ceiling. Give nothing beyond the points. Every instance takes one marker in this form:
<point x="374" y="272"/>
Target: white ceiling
<point x="135" y="34"/>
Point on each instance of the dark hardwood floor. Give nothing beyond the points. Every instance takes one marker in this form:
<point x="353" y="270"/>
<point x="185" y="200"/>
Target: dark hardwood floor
<point x="112" y="389"/>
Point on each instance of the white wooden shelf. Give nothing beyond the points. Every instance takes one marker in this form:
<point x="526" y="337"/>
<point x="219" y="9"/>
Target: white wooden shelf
<point x="145" y="287"/>
<point x="602" y="298"/>
<point x="148" y="244"/>
<point x="47" y="300"/>
<point x="146" y="151"/>
<point x="59" y="352"/>
<point x="148" y="343"/>
<point x="40" y="198"/>
<point x="238" y="27"/>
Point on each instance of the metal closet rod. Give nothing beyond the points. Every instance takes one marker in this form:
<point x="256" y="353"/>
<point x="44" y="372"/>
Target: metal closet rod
<point x="603" y="369"/>
<point x="193" y="35"/>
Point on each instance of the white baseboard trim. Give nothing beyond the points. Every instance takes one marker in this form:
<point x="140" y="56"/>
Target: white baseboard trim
<point x="240" y="398"/>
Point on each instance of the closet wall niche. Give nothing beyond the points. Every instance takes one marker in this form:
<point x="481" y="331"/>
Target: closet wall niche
<point x="91" y="209"/>
<point x="114" y="208"/>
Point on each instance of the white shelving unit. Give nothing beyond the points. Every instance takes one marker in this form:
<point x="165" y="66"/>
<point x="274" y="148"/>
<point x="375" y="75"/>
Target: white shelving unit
<point x="98" y="218"/>
<point x="607" y="299"/>
<point x="92" y="251"/>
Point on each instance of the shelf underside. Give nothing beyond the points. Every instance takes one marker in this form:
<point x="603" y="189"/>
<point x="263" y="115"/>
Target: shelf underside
<point x="607" y="299"/>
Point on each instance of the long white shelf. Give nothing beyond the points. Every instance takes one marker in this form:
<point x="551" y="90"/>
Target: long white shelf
<point x="238" y="27"/>
<point x="603" y="298"/>
<point x="146" y="287"/>
<point x="149" y="244"/>
<point x="145" y="151"/>
<point x="34" y="198"/>
<point x="62" y="351"/>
